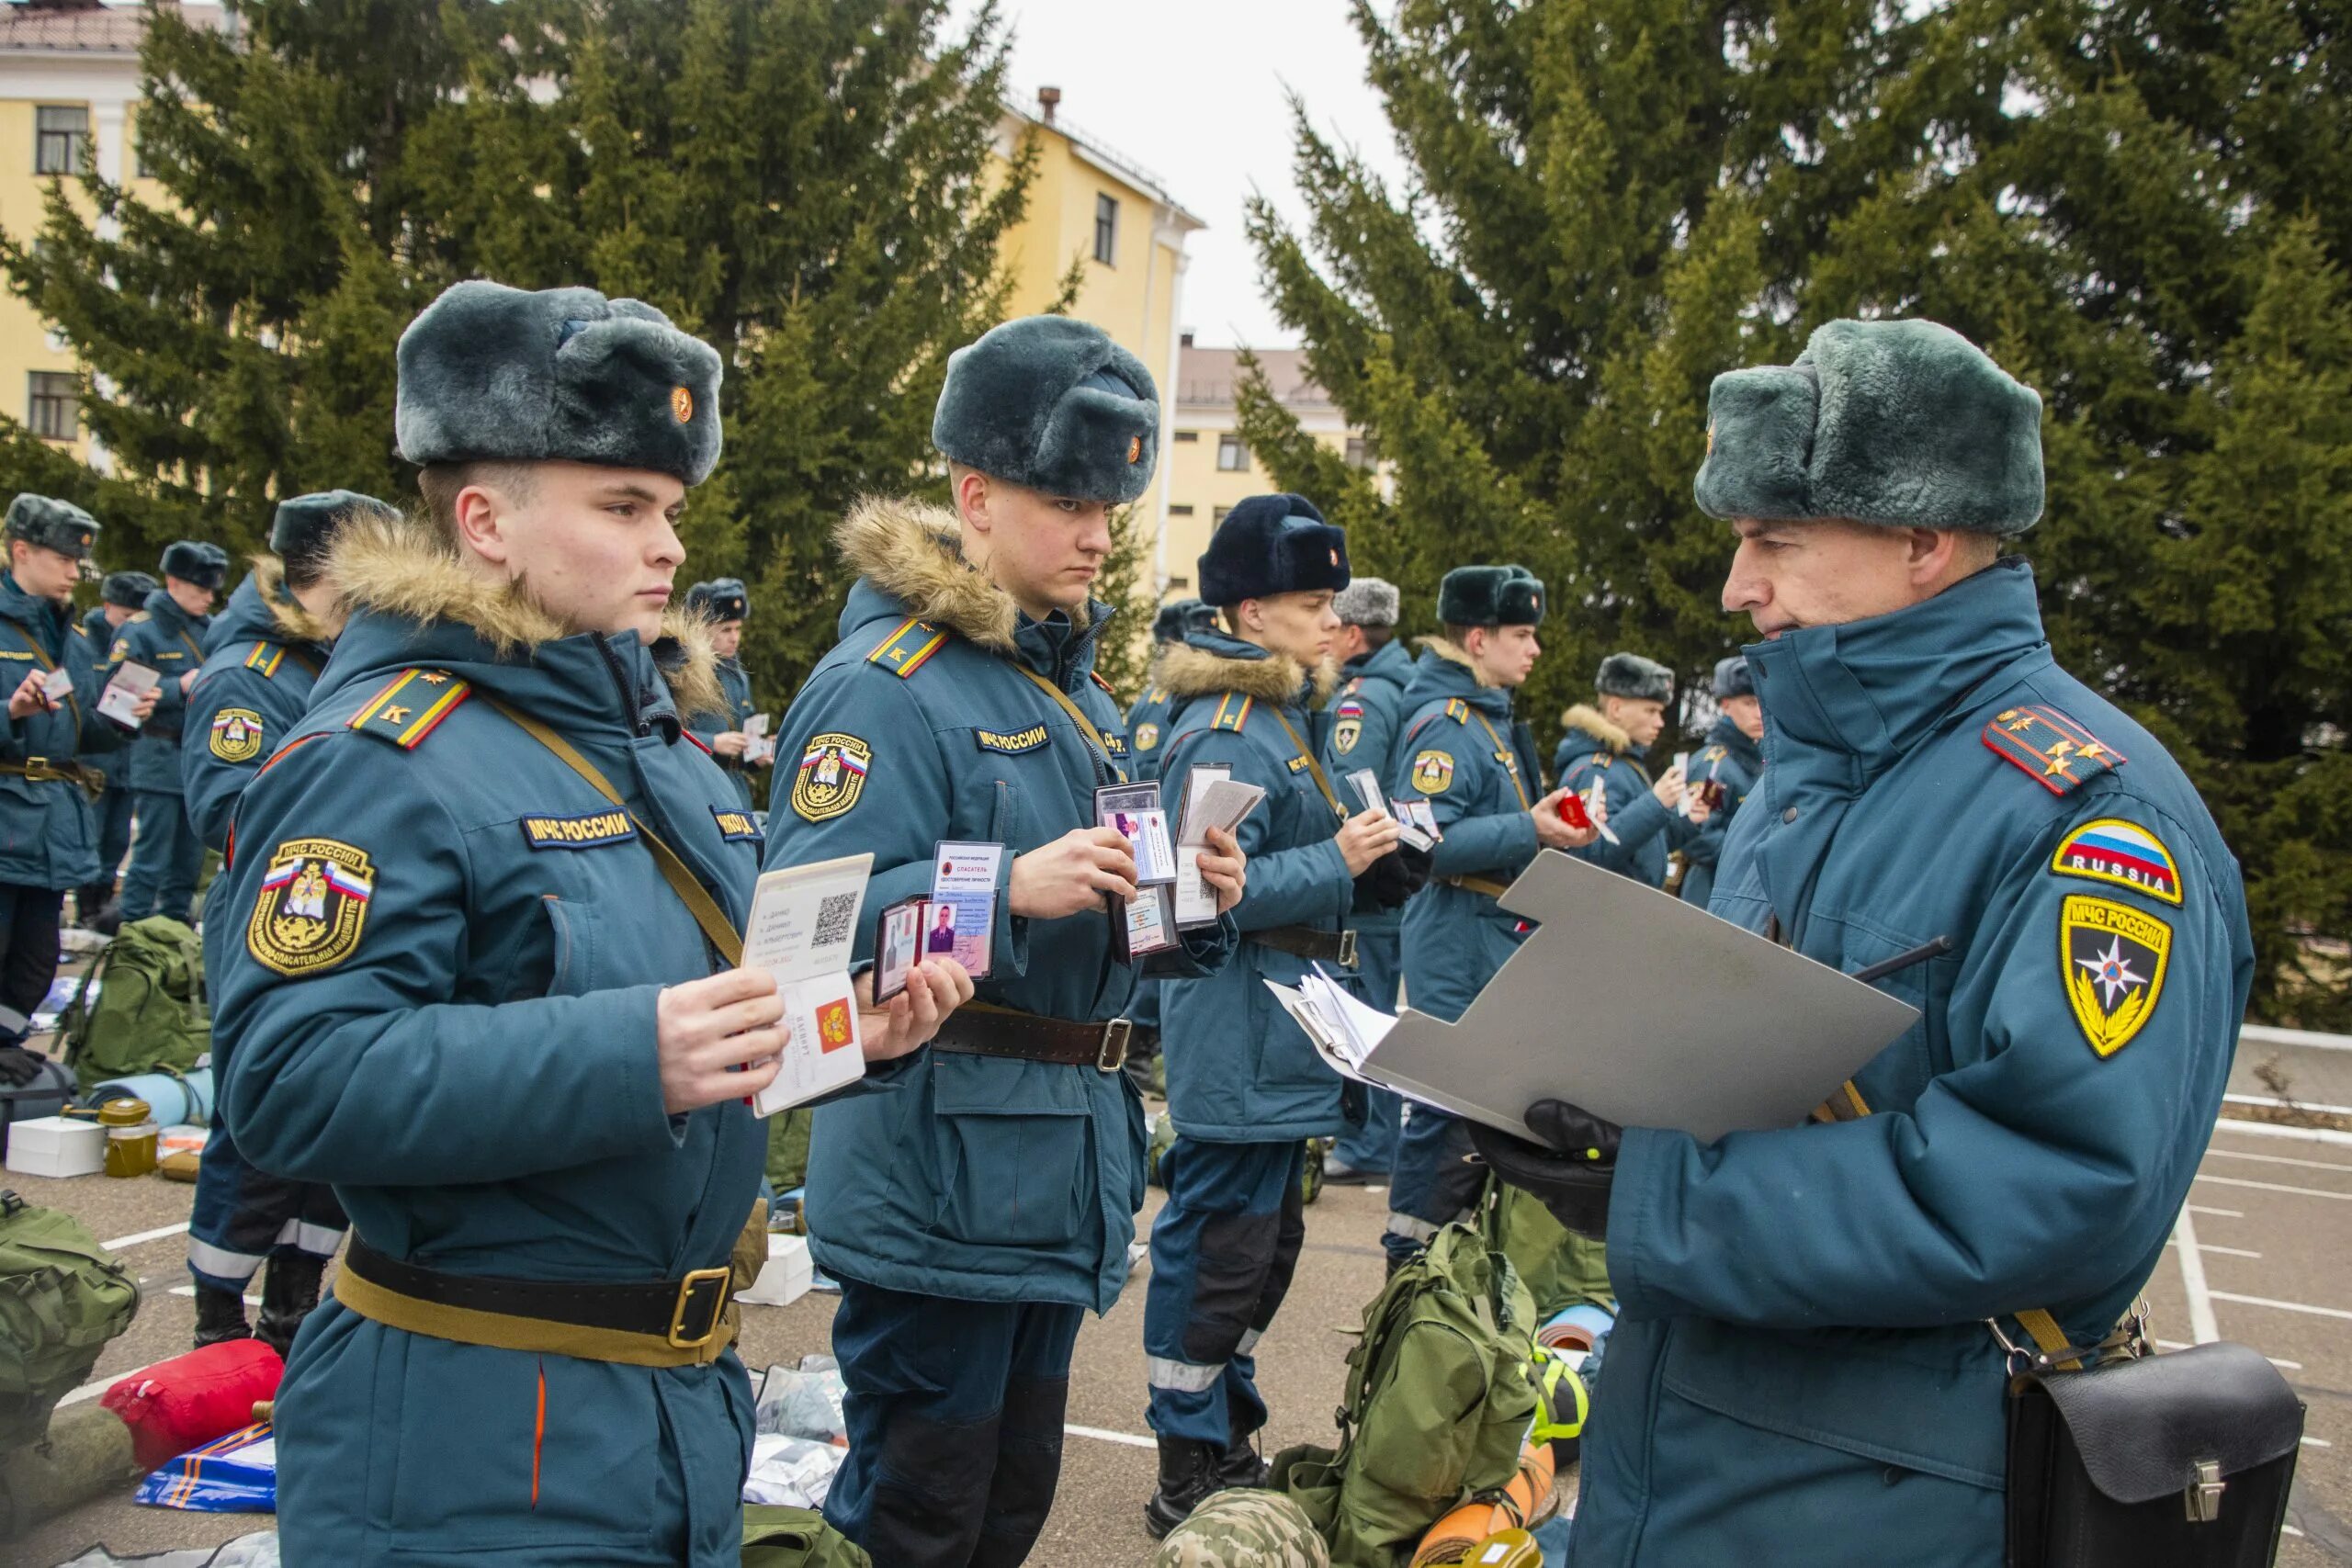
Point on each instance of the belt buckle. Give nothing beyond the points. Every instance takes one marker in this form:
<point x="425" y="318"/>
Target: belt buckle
<point x="36" y="764"/>
<point x="687" y="1288"/>
<point x="1112" y="1054"/>
<point x="1347" y="950"/>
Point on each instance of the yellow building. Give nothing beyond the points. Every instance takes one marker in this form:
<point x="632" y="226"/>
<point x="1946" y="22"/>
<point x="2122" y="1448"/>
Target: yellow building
<point x="1208" y="468"/>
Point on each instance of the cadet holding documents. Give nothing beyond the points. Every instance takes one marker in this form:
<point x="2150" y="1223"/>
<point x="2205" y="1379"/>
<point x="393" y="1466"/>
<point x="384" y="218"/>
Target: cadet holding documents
<point x="1801" y="1371"/>
<point x="486" y="901"/>
<point x="1600" y="759"/>
<point x="1730" y="762"/>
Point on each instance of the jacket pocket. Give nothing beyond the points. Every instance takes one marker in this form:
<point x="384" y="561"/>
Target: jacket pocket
<point x="1012" y="1141"/>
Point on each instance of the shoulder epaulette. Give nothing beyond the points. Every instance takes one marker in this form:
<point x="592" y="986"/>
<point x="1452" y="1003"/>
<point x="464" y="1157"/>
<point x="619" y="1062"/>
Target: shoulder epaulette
<point x="409" y="709"/>
<point x="139" y="616"/>
<point x="905" y="649"/>
<point x="1457" y="710"/>
<point x="1096" y="676"/>
<point x="265" y="658"/>
<point x="1232" y="711"/>
<point x="2051" y="748"/>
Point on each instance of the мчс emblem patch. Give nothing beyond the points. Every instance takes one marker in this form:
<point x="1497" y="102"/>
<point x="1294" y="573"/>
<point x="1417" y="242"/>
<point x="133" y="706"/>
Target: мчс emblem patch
<point x="1147" y="736"/>
<point x="1432" y="771"/>
<point x="236" y="735"/>
<point x="2111" y="850"/>
<point x="2112" y="959"/>
<point x="314" y="905"/>
<point x="830" y="777"/>
<point x="1349" y="729"/>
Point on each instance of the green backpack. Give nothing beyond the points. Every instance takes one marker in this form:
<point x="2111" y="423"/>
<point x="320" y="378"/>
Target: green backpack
<point x="1560" y="1268"/>
<point x="777" y="1537"/>
<point x="148" y="1015"/>
<point x="1439" y="1399"/>
<point x="63" y="1297"/>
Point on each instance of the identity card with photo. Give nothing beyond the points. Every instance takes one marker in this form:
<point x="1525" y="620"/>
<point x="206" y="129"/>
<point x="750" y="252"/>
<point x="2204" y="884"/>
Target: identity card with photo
<point x="961" y="921"/>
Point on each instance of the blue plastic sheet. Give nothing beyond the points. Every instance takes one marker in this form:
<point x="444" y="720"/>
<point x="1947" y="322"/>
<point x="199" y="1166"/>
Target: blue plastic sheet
<point x="235" y="1474"/>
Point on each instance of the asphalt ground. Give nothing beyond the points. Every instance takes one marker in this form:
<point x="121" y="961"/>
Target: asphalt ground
<point x="2270" y="1217"/>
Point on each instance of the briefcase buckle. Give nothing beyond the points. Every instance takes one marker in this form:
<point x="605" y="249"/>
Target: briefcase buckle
<point x="2203" y="1494"/>
<point x="1112" y="1053"/>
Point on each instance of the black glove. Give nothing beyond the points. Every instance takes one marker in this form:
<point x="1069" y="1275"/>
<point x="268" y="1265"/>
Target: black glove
<point x="19" y="1066"/>
<point x="1572" y="1177"/>
<point x="1396" y="876"/>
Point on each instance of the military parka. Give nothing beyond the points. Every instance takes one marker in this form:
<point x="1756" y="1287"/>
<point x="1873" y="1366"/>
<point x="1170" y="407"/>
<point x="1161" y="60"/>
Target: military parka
<point x="1599" y="761"/>
<point x="264" y="654"/>
<point x="170" y="641"/>
<point x="1732" y="760"/>
<point x="49" y="836"/>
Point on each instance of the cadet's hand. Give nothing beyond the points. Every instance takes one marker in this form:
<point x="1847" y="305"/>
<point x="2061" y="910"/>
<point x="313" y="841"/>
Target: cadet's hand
<point x="1224" y="868"/>
<point x="1698" y="806"/>
<point x="1395" y="877"/>
<point x="1553" y="833"/>
<point x="144" y="709"/>
<point x="1072" y="873"/>
<point x="1364" y="837"/>
<point x="733" y="743"/>
<point x="706" y="1028"/>
<point x="28" y="699"/>
<point x="935" y="987"/>
<point x="1668" y="789"/>
<point x="1572" y="1176"/>
<point x="188" y="679"/>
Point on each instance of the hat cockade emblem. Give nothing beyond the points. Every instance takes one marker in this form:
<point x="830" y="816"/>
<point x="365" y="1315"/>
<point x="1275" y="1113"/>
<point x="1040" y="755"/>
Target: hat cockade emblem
<point x="682" y="405"/>
<point x="1135" y="448"/>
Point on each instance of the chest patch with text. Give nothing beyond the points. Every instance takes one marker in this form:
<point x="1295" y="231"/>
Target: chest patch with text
<point x="1010" y="745"/>
<point x="578" y="832"/>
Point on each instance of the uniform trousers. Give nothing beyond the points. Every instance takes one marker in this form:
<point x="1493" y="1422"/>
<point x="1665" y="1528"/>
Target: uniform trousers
<point x="28" y="926"/>
<point x="1223" y="1250"/>
<point x="166" y="857"/>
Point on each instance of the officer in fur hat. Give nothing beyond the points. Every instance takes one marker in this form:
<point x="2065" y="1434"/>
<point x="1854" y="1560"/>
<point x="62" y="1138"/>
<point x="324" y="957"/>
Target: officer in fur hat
<point x="1147" y="719"/>
<point x="266" y="649"/>
<point x="168" y="636"/>
<point x="1730" y="762"/>
<point x="1600" y="759"/>
<point x="1803" y="1332"/>
<point x="726" y="603"/>
<point x="974" y="1214"/>
<point x="48" y="838"/>
<point x="122" y="595"/>
<point x="483" y="978"/>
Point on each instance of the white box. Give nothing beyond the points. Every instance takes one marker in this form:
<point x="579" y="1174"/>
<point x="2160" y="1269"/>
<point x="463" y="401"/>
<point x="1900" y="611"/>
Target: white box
<point x="56" y="1146"/>
<point x="786" y="1277"/>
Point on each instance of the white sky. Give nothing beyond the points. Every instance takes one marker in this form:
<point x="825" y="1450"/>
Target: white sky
<point x="1195" y="91"/>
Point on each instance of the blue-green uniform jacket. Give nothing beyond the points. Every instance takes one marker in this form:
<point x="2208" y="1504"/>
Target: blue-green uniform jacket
<point x="49" y="837"/>
<point x="1367" y="713"/>
<point x="170" y="641"/>
<point x="735" y="693"/>
<point x="114" y="763"/>
<point x="1732" y="759"/>
<point x="1239" y="1070"/>
<point x="1148" y="723"/>
<point x="1596" y="758"/>
<point x="1801" y="1354"/>
<point x="263" y="656"/>
<point x="982" y="1178"/>
<point x="466" y="1050"/>
<point x="1460" y="750"/>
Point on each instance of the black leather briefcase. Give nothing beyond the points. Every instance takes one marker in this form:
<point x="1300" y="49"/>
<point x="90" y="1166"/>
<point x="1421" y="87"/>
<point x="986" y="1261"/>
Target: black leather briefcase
<point x="2181" y="1461"/>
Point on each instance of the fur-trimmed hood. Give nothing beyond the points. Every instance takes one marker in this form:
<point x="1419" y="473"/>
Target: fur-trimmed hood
<point x="911" y="551"/>
<point x="1591" y="721"/>
<point x="1452" y="652"/>
<point x="293" y="622"/>
<point x="1208" y="662"/>
<point x="404" y="569"/>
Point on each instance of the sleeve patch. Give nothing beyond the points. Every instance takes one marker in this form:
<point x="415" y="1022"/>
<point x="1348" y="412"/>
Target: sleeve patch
<point x="2111" y="850"/>
<point x="236" y="735"/>
<point x="1432" y="771"/>
<point x="830" y="777"/>
<point x="411" y="707"/>
<point x="736" y="825"/>
<point x="584" y="832"/>
<point x="1147" y="736"/>
<point x="313" y="907"/>
<point x="2049" y="748"/>
<point x="2112" y="960"/>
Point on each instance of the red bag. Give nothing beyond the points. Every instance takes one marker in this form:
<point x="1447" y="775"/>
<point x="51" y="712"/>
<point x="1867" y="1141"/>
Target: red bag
<point x="190" y="1400"/>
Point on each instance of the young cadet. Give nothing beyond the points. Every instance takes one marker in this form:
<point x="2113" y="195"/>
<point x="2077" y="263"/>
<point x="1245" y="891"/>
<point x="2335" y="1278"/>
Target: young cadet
<point x="48" y="838"/>
<point x="973" y="1215"/>
<point x="168" y="636"/>
<point x="484" y="983"/>
<point x="1803" y="1353"/>
<point x="122" y="595"/>
<point x="726" y="603"/>
<point x="1374" y="669"/>
<point x="1462" y="751"/>
<point x="1731" y="758"/>
<point x="1245" y="1085"/>
<point x="1148" y="720"/>
<point x="1600" y="759"/>
<point x="267" y="648"/>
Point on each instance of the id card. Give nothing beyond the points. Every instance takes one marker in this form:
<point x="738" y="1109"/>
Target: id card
<point x="1211" y="800"/>
<point x="59" y="686"/>
<point x="803" y="931"/>
<point x="119" y="701"/>
<point x="961" y="918"/>
<point x="897" y="946"/>
<point x="1366" y="783"/>
<point x="1133" y="811"/>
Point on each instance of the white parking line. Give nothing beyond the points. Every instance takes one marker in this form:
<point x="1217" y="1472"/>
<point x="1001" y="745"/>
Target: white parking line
<point x="2273" y="1186"/>
<point x="2201" y="1326"/>
<point x="2275" y="1129"/>
<point x="2224" y="1251"/>
<point x="2221" y="1213"/>
<point x="1099" y="1435"/>
<point x="2277" y="1159"/>
<point x="2317" y="1443"/>
<point x="119" y="1243"/>
<point x="2283" y="1306"/>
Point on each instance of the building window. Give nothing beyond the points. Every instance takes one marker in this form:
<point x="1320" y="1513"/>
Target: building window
<point x="1217" y="517"/>
<point x="1106" y="230"/>
<point x="1232" y="455"/>
<point x="1175" y="582"/>
<point x="58" y="135"/>
<point x="1362" y="452"/>
<point x="52" y="412"/>
<point x="1188" y="435"/>
<point x="1180" y="511"/>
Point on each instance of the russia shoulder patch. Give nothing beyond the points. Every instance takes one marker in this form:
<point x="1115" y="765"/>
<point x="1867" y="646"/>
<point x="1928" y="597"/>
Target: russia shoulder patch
<point x="1147" y="736"/>
<point x="2111" y="961"/>
<point x="236" y="735"/>
<point x="411" y="707"/>
<point x="830" y="777"/>
<point x="2111" y="850"/>
<point x="2049" y="748"/>
<point x="1432" y="771"/>
<point x="313" y="907"/>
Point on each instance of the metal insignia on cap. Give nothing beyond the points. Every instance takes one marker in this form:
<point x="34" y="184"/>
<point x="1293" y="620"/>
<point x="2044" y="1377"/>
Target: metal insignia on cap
<point x="1135" y="448"/>
<point x="682" y="405"/>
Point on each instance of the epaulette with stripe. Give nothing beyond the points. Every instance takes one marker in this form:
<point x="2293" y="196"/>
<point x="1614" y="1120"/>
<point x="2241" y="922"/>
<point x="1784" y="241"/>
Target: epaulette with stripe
<point x="1232" y="711"/>
<point x="2049" y="748"/>
<point x="905" y="651"/>
<point x="411" y="707"/>
<point x="1457" y="709"/>
<point x="265" y="657"/>
<point x="1096" y="676"/>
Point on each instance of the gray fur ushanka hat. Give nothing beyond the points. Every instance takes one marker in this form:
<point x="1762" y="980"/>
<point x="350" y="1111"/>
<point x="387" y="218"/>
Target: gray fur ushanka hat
<point x="1490" y="596"/>
<point x="53" y="525"/>
<point x="1053" y="405"/>
<point x="1631" y="676"/>
<point x="306" y="525"/>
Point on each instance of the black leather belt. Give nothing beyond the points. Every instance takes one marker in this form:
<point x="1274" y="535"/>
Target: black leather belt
<point x="976" y="1029"/>
<point x="1306" y="942"/>
<point x="682" y="1313"/>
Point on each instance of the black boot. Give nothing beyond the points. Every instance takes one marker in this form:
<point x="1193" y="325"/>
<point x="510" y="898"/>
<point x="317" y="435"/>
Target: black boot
<point x="287" y="1297"/>
<point x="108" y="920"/>
<point x="220" y="1314"/>
<point x="1240" y="1466"/>
<point x="1187" y="1477"/>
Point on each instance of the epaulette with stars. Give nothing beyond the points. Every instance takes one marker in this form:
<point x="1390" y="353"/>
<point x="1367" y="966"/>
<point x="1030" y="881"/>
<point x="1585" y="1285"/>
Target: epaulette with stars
<point x="2049" y="748"/>
<point x="409" y="709"/>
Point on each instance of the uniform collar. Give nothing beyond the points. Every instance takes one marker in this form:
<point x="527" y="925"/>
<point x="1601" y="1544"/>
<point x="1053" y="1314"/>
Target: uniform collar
<point x="1446" y="673"/>
<point x="163" y="607"/>
<point x="1728" y="736"/>
<point x="1391" y="662"/>
<point x="1207" y="662"/>
<point x="45" y="617"/>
